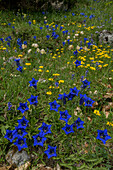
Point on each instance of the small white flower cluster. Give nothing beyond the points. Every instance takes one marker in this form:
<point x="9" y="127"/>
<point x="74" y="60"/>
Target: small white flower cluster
<point x="42" y="51"/>
<point x="35" y="45"/>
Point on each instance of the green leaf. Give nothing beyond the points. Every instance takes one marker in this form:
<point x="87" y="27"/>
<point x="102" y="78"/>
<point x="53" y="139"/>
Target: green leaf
<point x="67" y="166"/>
<point x="2" y="119"/>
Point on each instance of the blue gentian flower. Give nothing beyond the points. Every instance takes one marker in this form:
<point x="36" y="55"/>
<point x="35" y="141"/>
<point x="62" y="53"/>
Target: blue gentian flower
<point x="1" y="39"/>
<point x="19" y="131"/>
<point x="82" y="99"/>
<point x="70" y="96"/>
<point x="23" y="107"/>
<point x="86" y="73"/>
<point x="23" y="122"/>
<point x="75" y="53"/>
<point x="53" y="34"/>
<point x="54" y="106"/>
<point x="88" y="102"/>
<point x="17" y="62"/>
<point x="33" y="100"/>
<point x="34" y="37"/>
<point x="74" y="91"/>
<point x="9" y="24"/>
<point x="39" y="139"/>
<point x="47" y="26"/>
<point x="41" y="28"/>
<point x="64" y="116"/>
<point x="45" y="128"/>
<point x="47" y="37"/>
<point x="82" y="14"/>
<point x="51" y="151"/>
<point x="25" y="42"/>
<point x="81" y="79"/>
<point x="78" y="63"/>
<point x="13" y="27"/>
<point x="9" y="135"/>
<point x="56" y="36"/>
<point x="61" y="28"/>
<point x="29" y="22"/>
<point x="56" y="26"/>
<point x="65" y="16"/>
<point x="63" y="43"/>
<point x="57" y="84"/>
<point x="63" y="32"/>
<point x="73" y="14"/>
<point x="33" y="83"/>
<point x="103" y="136"/>
<point x="66" y="32"/>
<point x="72" y="76"/>
<point x="21" y="143"/>
<point x="68" y="129"/>
<point x="63" y="97"/>
<point x="9" y="106"/>
<point x="85" y="83"/>
<point x="8" y="44"/>
<point x="20" y="68"/>
<point x="43" y="13"/>
<point x="78" y="123"/>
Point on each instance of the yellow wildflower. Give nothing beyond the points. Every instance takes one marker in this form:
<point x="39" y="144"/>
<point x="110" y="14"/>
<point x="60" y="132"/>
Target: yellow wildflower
<point x="50" y="79"/>
<point x="56" y="74"/>
<point x="27" y="64"/>
<point x="92" y="68"/>
<point x="68" y="62"/>
<point x="59" y="56"/>
<point x="47" y="71"/>
<point x="40" y="66"/>
<point x="2" y="68"/>
<point x="97" y="112"/>
<point x="20" y="55"/>
<point x="40" y="70"/>
<point x="49" y="93"/>
<point x="61" y="81"/>
<point x="24" y="68"/>
<point x="105" y="65"/>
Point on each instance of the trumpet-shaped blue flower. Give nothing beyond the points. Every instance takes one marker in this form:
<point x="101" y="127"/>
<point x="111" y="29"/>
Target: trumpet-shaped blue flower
<point x="17" y="62"/>
<point x="63" y="97"/>
<point x="23" y="122"/>
<point x="103" y="136"/>
<point x="54" y="106"/>
<point x="88" y="102"/>
<point x="39" y="139"/>
<point x="9" y="135"/>
<point x="23" y="107"/>
<point x="21" y="143"/>
<point x="68" y="129"/>
<point x="64" y="116"/>
<point x="51" y="151"/>
<point x="78" y="123"/>
<point x="82" y="99"/>
<point x="20" y="68"/>
<point x="19" y="131"/>
<point x="45" y="129"/>
<point x="33" y="83"/>
<point x="33" y="100"/>
<point x="78" y="63"/>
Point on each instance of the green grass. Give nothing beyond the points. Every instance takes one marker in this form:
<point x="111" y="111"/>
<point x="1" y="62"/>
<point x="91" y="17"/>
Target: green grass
<point x="78" y="150"/>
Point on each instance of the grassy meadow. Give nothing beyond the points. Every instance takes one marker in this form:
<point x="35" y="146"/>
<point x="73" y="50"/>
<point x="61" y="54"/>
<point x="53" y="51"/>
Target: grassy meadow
<point x="56" y="93"/>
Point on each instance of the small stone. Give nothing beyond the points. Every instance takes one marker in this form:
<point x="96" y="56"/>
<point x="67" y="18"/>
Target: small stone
<point x="17" y="158"/>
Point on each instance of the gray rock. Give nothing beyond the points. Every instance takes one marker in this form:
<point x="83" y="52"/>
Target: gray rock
<point x="17" y="158"/>
<point x="106" y="37"/>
